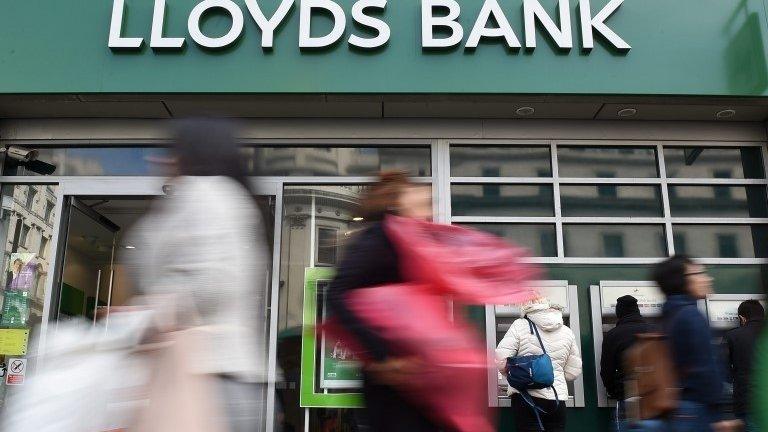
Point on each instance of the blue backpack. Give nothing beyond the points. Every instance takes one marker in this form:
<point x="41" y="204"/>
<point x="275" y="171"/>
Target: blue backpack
<point x="532" y="372"/>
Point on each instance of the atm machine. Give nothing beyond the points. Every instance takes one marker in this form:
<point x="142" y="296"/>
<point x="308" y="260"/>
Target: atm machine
<point x="603" y="299"/>
<point x="722" y="313"/>
<point x="498" y="319"/>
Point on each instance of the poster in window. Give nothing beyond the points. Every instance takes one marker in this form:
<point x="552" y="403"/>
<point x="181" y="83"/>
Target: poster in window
<point x="21" y="272"/>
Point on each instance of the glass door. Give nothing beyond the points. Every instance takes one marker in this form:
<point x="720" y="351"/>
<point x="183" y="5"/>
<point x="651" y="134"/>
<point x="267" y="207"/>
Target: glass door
<point x="86" y="277"/>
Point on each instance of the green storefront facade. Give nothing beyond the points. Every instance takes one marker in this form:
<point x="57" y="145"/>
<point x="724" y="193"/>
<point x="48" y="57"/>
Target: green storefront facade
<point x="603" y="135"/>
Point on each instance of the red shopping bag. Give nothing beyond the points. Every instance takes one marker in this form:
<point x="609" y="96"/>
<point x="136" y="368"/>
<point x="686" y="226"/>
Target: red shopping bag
<point x="451" y="388"/>
<point x="471" y="266"/>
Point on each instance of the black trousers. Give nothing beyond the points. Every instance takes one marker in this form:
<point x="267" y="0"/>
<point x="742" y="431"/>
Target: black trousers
<point x="387" y="411"/>
<point x="553" y="419"/>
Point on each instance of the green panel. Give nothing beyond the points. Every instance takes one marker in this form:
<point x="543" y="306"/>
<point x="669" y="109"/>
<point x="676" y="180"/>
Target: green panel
<point x="309" y="395"/>
<point x="72" y="300"/>
<point x="685" y="47"/>
<point x="728" y="279"/>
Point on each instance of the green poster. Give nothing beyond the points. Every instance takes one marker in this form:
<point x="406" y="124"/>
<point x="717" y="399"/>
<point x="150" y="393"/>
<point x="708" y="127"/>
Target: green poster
<point x="330" y="376"/>
<point x="340" y="369"/>
<point x="15" y="312"/>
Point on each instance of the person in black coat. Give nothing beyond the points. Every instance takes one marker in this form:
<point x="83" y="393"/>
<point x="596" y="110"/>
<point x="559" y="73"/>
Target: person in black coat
<point x="740" y="343"/>
<point x="371" y="260"/>
<point x="617" y="341"/>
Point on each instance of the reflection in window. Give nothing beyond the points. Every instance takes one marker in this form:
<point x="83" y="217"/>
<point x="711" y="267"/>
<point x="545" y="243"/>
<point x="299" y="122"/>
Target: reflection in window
<point x="714" y="162"/>
<point x="338" y="161"/>
<point x="24" y="271"/>
<point x="619" y="200"/>
<point x="615" y="241"/>
<point x="540" y="240"/>
<point x="94" y="161"/>
<point x="588" y="162"/>
<point x="511" y="200"/>
<point x="718" y="201"/>
<point x="504" y="161"/>
<point x="327" y="245"/>
<point x="722" y="241"/>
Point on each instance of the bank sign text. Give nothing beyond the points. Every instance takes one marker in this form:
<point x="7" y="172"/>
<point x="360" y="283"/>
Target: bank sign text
<point x="440" y="26"/>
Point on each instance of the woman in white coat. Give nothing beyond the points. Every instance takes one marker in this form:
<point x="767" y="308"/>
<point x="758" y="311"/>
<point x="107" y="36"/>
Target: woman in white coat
<point x="562" y="348"/>
<point x="204" y="246"/>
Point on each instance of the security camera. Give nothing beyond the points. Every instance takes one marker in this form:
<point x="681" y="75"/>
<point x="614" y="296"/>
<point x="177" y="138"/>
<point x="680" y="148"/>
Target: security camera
<point x="21" y="154"/>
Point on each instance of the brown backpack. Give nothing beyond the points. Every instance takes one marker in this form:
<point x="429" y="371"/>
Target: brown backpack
<point x="651" y="386"/>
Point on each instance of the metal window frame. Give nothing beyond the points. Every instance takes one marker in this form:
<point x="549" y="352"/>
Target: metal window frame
<point x="441" y="181"/>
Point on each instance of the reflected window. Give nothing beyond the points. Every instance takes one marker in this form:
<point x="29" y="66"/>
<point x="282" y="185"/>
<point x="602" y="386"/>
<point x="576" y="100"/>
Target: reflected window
<point x="327" y="244"/>
<point x="614" y="241"/>
<point x="590" y="162"/>
<point x="539" y="239"/>
<point x="722" y="241"/>
<point x="718" y="201"/>
<point x="610" y="200"/>
<point x="714" y="162"/>
<point x="500" y="161"/>
<point x="507" y="200"/>
<point x="338" y="161"/>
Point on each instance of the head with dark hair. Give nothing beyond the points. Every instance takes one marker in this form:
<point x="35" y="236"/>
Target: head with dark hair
<point x="751" y="310"/>
<point x="681" y="275"/>
<point x="207" y="147"/>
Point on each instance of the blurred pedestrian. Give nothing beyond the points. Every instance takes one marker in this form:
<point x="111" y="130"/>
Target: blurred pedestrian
<point x="204" y="246"/>
<point x="561" y="345"/>
<point x="740" y="343"/>
<point x="684" y="282"/>
<point x="616" y="342"/>
<point x="371" y="260"/>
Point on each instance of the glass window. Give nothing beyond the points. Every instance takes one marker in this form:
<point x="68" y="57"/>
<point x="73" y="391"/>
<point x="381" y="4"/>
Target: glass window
<point x="327" y="244"/>
<point x="24" y="235"/>
<point x="722" y="241"/>
<point x="267" y="160"/>
<point x="338" y="161"/>
<point x="610" y="200"/>
<point x="94" y="161"/>
<point x="500" y="161"/>
<point x="607" y="162"/>
<point x="502" y="200"/>
<point x="614" y="241"/>
<point x="31" y="192"/>
<point x="714" y="162"/>
<point x="49" y="206"/>
<point x="23" y="275"/>
<point x="540" y="240"/>
<point x="718" y="201"/>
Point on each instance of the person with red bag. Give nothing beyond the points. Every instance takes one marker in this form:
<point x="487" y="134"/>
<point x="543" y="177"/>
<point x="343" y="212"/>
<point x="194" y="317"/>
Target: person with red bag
<point x="424" y="369"/>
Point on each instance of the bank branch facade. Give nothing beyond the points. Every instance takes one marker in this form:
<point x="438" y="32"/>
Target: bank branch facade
<point x="603" y="135"/>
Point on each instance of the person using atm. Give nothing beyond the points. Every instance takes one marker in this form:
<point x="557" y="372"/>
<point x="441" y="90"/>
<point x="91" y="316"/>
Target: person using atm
<point x="740" y="343"/>
<point x="616" y="342"/>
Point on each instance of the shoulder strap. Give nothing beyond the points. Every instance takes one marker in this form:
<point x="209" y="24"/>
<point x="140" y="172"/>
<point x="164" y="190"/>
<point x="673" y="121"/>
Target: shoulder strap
<point x="535" y="330"/>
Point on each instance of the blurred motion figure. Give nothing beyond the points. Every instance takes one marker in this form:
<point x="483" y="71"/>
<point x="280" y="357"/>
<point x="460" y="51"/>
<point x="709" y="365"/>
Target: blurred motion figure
<point x="204" y="247"/>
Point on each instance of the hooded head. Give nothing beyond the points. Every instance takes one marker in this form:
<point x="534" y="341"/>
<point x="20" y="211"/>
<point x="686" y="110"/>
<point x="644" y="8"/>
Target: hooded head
<point x="626" y="305"/>
<point x="543" y="314"/>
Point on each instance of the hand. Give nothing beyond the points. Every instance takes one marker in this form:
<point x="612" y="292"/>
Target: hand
<point x="728" y="426"/>
<point x="396" y="371"/>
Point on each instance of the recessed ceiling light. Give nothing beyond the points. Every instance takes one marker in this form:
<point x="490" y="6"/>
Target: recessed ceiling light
<point x="525" y="111"/>
<point x="357" y="219"/>
<point x="626" y="112"/>
<point x="129" y="247"/>
<point x="726" y="113"/>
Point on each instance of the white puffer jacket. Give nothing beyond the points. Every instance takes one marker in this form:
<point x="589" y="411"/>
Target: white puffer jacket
<point x="558" y="340"/>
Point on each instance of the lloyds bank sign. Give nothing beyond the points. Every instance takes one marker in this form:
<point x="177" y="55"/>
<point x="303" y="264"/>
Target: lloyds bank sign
<point x="443" y="27"/>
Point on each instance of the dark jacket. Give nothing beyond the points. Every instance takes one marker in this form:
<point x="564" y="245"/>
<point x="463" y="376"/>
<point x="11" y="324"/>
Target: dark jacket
<point x="690" y="339"/>
<point x="740" y="343"/>
<point x="616" y="342"/>
<point x="369" y="260"/>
